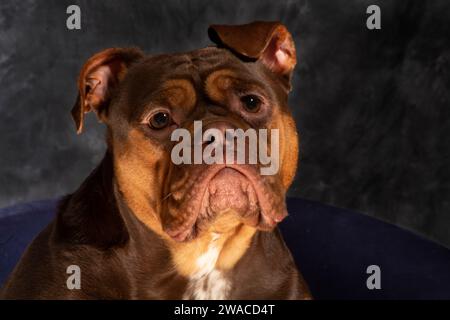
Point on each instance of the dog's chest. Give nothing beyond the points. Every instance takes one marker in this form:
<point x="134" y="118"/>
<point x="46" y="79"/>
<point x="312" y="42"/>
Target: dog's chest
<point x="208" y="282"/>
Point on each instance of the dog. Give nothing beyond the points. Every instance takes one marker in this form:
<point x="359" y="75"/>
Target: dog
<point x="142" y="227"/>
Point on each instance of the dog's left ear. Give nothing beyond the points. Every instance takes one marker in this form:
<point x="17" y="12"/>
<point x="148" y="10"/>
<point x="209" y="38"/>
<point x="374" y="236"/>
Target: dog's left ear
<point x="269" y="42"/>
<point x="98" y="80"/>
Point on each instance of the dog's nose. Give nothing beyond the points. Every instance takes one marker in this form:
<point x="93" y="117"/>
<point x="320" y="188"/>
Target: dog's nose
<point x="219" y="127"/>
<point x="235" y="149"/>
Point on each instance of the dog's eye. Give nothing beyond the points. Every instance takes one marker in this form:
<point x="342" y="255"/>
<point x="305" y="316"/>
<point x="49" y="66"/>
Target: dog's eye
<point x="251" y="103"/>
<point x="159" y="120"/>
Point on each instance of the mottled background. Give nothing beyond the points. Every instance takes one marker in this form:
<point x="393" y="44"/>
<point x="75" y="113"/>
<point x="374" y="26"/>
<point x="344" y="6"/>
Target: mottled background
<point x="372" y="107"/>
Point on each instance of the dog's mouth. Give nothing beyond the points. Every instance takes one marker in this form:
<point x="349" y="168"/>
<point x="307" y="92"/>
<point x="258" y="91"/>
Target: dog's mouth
<point x="237" y="190"/>
<point x="229" y="190"/>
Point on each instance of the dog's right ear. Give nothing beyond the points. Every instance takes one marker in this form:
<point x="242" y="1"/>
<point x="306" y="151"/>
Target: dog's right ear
<point x="98" y="78"/>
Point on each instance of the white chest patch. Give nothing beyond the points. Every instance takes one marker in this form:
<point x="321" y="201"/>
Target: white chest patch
<point x="207" y="282"/>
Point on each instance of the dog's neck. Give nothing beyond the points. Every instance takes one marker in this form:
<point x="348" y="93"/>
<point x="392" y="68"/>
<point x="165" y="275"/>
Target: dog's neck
<point x="218" y="248"/>
<point x="212" y="251"/>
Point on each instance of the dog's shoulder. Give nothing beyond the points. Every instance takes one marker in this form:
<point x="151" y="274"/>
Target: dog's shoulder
<point x="87" y="226"/>
<point x="90" y="215"/>
<point x="34" y="277"/>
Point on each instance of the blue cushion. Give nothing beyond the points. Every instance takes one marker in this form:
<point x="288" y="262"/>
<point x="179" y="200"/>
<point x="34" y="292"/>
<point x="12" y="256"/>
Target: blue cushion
<point x="333" y="248"/>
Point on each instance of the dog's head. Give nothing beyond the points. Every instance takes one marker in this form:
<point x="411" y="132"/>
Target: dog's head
<point x="151" y="106"/>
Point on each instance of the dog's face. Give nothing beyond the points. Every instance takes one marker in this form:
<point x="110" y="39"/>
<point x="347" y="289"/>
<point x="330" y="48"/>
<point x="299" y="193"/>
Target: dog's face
<point x="241" y="84"/>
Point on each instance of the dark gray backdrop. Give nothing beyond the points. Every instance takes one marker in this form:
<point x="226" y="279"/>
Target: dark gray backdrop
<point x="372" y="107"/>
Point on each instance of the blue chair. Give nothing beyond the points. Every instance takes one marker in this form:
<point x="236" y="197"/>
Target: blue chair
<point x="333" y="248"/>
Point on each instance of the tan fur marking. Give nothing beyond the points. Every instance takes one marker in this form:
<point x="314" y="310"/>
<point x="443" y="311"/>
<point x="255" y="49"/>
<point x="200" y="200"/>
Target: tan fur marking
<point x="179" y="93"/>
<point x="235" y="247"/>
<point x="137" y="178"/>
<point x="218" y="82"/>
<point x="229" y="236"/>
<point x="288" y="145"/>
<point x="289" y="142"/>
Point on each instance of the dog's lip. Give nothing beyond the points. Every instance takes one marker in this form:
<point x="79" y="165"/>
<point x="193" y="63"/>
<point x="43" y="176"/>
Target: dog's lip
<point x="267" y="208"/>
<point x="269" y="215"/>
<point x="180" y="236"/>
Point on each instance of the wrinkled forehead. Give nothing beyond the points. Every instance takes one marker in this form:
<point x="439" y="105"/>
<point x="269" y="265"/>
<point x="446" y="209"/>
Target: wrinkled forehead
<point x="194" y="65"/>
<point x="188" y="74"/>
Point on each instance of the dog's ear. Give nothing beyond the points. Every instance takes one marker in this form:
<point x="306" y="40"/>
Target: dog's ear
<point x="98" y="78"/>
<point x="269" y="42"/>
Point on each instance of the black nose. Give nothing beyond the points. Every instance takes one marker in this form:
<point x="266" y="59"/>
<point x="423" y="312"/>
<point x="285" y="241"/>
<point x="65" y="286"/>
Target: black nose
<point x="221" y="126"/>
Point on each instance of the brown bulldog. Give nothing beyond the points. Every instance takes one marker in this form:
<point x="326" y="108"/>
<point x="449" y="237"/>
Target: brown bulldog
<point x="141" y="226"/>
